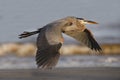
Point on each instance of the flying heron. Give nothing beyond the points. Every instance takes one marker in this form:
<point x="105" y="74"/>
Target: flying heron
<point x="50" y="39"/>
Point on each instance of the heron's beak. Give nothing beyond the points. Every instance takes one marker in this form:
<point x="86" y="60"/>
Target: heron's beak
<point x="90" y="22"/>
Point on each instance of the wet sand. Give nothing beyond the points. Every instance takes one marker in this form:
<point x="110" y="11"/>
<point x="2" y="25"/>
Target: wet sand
<point x="99" y="73"/>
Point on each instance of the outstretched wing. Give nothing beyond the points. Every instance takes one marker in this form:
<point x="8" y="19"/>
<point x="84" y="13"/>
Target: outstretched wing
<point x="86" y="38"/>
<point x="47" y="54"/>
<point x="48" y="57"/>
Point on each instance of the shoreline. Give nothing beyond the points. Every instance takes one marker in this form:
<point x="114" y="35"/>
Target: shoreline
<point x="29" y="49"/>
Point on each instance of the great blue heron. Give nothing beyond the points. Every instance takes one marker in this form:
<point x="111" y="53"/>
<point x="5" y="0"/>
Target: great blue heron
<point x="50" y="39"/>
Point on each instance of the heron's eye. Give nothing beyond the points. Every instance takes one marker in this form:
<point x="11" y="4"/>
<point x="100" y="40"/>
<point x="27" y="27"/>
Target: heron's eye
<point x="68" y="24"/>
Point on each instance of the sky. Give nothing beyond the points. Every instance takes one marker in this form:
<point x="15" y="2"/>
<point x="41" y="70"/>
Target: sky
<point x="17" y="16"/>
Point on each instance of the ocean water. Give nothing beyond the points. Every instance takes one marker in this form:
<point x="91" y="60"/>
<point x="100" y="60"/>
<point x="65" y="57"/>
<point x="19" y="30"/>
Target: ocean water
<point x="13" y="62"/>
<point x="17" y="16"/>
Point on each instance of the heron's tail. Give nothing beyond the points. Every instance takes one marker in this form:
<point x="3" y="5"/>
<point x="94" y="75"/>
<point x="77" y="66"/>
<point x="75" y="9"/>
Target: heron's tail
<point x="27" y="34"/>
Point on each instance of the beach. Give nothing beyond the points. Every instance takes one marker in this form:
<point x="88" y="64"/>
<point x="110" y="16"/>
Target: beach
<point x="91" y="73"/>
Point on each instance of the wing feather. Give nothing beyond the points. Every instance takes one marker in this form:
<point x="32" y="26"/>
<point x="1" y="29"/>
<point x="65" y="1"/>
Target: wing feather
<point x="47" y="55"/>
<point x="86" y="38"/>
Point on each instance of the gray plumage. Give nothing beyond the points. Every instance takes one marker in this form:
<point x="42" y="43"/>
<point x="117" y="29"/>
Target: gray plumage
<point x="50" y="39"/>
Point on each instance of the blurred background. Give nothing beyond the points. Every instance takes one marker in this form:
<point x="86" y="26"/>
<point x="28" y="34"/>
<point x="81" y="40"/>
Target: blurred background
<point x="17" y="16"/>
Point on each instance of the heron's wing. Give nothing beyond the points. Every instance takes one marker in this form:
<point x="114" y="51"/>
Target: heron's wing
<point x="47" y="55"/>
<point x="86" y="38"/>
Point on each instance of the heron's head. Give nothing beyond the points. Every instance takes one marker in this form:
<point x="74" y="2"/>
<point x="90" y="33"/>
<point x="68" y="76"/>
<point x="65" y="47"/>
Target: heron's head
<point x="75" y="24"/>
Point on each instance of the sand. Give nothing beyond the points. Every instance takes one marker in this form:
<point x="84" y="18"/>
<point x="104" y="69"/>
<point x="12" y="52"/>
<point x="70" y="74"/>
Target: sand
<point x="99" y="73"/>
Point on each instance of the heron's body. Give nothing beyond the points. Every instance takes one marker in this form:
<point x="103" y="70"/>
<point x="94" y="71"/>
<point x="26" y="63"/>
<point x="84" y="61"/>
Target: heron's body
<point x="50" y="39"/>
